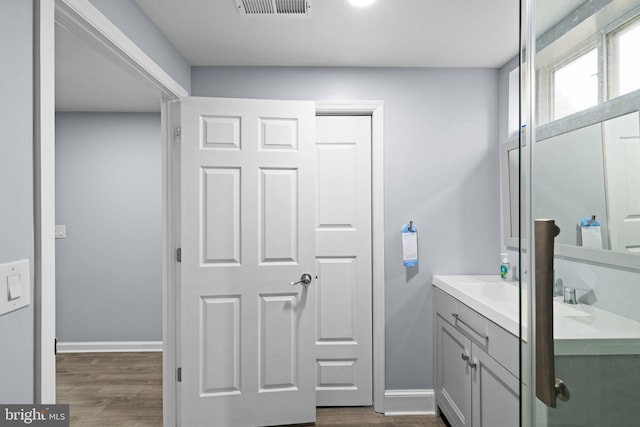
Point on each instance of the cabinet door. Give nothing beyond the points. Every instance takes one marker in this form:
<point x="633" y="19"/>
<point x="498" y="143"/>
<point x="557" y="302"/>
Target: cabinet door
<point x="495" y="392"/>
<point x="453" y="375"/>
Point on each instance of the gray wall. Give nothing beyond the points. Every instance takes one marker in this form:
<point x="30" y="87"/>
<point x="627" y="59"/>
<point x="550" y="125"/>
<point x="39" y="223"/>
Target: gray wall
<point x="131" y="20"/>
<point x="16" y="191"/>
<point x="570" y="182"/>
<point x="108" y="194"/>
<point x="441" y="171"/>
<point x="503" y="94"/>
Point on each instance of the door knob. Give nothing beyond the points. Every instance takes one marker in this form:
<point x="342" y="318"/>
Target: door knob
<point x="305" y="279"/>
<point x="562" y="391"/>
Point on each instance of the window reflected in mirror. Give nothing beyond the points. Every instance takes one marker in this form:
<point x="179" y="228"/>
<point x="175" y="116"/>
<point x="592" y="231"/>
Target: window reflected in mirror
<point x="575" y="85"/>
<point x="625" y="60"/>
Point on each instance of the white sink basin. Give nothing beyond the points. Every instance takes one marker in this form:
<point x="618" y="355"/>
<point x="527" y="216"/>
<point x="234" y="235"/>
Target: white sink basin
<point x="566" y="310"/>
<point x="578" y="329"/>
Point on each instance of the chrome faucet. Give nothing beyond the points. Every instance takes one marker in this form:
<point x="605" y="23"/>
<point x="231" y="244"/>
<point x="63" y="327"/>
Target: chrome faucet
<point x="570" y="296"/>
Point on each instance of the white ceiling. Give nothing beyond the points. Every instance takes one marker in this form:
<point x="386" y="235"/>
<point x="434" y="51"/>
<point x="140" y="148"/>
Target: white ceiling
<point x="391" y="33"/>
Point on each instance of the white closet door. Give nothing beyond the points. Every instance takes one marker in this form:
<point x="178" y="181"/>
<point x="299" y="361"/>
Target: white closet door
<point x="343" y="261"/>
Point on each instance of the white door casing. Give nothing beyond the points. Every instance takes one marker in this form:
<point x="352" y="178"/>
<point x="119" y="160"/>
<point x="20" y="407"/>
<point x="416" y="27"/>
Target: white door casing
<point x="343" y="261"/>
<point x="621" y="139"/>
<point x="248" y="210"/>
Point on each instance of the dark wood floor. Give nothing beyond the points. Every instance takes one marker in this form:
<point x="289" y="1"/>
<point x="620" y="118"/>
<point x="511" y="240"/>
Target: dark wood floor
<point x="125" y="389"/>
<point x="111" y="389"/>
<point x="363" y="417"/>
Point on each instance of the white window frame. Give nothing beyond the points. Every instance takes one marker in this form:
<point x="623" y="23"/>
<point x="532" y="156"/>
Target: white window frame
<point x="546" y="73"/>
<point x="612" y="58"/>
<point x="607" y="66"/>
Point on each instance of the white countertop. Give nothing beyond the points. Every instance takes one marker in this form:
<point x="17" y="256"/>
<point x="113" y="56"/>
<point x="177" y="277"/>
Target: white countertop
<point x="494" y="298"/>
<point x="578" y="329"/>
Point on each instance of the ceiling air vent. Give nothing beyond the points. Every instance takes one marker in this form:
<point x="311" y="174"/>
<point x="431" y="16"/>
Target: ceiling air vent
<point x="273" y="7"/>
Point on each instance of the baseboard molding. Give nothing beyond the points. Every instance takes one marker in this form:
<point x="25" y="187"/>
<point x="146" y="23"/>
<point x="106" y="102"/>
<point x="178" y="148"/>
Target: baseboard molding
<point x="409" y="402"/>
<point x="109" y="346"/>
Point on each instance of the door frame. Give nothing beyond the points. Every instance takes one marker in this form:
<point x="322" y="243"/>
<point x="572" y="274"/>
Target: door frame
<point x="85" y="21"/>
<point x="90" y="25"/>
<point x="374" y="109"/>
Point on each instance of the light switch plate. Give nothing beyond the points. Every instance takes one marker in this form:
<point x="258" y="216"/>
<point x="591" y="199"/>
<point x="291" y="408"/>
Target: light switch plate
<point x="15" y="286"/>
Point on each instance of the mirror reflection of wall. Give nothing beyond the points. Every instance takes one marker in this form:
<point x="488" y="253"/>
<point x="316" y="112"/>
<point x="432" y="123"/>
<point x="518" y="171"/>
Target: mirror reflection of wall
<point x="570" y="182"/>
<point x="594" y="170"/>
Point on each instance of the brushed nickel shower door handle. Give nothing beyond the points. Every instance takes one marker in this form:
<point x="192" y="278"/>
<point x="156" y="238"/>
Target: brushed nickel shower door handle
<point x="548" y="388"/>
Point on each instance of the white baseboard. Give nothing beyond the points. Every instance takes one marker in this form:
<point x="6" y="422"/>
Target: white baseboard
<point x="109" y="346"/>
<point x="409" y="402"/>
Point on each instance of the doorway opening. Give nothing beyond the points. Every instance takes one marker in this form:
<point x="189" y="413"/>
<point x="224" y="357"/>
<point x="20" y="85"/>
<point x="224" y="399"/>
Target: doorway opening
<point x="84" y="21"/>
<point x="108" y="262"/>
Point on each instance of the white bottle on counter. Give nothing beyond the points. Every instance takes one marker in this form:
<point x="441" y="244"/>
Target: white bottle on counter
<point x="504" y="266"/>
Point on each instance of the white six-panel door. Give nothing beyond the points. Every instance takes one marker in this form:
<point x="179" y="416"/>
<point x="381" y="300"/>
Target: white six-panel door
<point x="343" y="261"/>
<point x="622" y="170"/>
<point x="246" y="344"/>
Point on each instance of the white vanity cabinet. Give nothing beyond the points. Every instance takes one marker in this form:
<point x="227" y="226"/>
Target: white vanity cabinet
<point x="476" y="366"/>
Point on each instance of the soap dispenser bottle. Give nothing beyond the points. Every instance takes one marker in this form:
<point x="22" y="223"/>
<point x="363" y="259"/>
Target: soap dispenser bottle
<point x="504" y="266"/>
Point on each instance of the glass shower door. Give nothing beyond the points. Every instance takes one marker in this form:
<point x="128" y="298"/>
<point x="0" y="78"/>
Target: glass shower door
<point x="580" y="198"/>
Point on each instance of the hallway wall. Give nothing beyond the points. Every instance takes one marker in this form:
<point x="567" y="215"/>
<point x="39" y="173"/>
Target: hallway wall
<point x="108" y="194"/>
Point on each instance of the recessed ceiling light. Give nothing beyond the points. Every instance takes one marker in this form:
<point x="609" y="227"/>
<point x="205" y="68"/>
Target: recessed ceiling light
<point x="362" y="3"/>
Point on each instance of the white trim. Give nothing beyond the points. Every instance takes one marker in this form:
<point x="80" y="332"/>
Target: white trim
<point x="86" y="22"/>
<point x="410" y="402"/>
<point x="170" y="118"/>
<point x="605" y="257"/>
<point x="109" y="347"/>
<point x="83" y="19"/>
<point x="44" y="203"/>
<point x="509" y="240"/>
<point x="376" y="110"/>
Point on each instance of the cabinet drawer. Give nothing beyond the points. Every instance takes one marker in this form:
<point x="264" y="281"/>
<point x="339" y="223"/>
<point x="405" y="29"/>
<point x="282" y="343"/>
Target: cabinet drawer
<point x="470" y="322"/>
<point x="493" y="339"/>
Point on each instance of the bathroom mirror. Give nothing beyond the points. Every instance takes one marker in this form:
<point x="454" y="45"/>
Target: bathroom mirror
<point x="586" y="131"/>
<point x="591" y="170"/>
